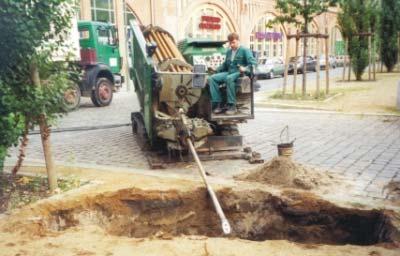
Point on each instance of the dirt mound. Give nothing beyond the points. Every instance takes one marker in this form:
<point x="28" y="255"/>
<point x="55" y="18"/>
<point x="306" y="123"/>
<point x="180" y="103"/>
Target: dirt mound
<point x="285" y="172"/>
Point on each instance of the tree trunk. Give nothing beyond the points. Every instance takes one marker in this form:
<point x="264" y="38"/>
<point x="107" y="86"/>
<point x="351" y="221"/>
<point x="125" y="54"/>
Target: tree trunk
<point x="22" y="149"/>
<point x="349" y="71"/>
<point x="317" y="92"/>
<point x="286" y="65"/>
<point x="369" y="57"/>
<point x="304" y="89"/>
<point x="374" y="57"/>
<point x="398" y="59"/>
<point x="344" y="61"/>
<point x="45" y="136"/>
<point x="327" y="67"/>
<point x="2" y="159"/>
<point x="295" y="67"/>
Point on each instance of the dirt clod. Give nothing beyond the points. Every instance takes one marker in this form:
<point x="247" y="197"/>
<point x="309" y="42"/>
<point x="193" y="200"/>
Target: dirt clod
<point x="282" y="171"/>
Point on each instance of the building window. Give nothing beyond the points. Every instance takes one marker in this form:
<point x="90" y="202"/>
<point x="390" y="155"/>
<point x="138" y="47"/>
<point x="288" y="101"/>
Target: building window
<point x="208" y="22"/>
<point x="103" y="10"/>
<point x="267" y="41"/>
<point x="311" y="41"/>
<point x="337" y="44"/>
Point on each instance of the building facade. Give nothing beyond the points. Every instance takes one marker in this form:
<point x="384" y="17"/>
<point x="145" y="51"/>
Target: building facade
<point x="213" y="19"/>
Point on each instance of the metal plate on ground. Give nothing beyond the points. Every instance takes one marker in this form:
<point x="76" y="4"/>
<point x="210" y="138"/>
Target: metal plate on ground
<point x="222" y="143"/>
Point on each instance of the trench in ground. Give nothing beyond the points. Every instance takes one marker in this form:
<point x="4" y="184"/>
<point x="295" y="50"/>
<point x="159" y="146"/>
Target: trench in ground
<point x="254" y="215"/>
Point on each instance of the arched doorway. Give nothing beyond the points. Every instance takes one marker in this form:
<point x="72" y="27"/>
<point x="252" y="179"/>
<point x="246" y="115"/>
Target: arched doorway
<point x="208" y="21"/>
<point x="267" y="41"/>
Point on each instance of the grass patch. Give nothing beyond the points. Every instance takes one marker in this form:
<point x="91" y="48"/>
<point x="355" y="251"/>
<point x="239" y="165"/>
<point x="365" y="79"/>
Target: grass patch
<point x="22" y="190"/>
<point x="312" y="96"/>
<point x="298" y="96"/>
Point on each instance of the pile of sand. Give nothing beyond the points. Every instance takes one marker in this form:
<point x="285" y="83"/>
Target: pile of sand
<point x="283" y="171"/>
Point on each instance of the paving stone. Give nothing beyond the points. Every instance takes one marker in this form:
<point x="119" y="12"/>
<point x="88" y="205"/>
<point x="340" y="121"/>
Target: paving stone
<point x="365" y="149"/>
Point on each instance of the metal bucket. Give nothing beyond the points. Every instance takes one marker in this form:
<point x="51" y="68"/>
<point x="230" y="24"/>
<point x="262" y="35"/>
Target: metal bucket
<point x="285" y="149"/>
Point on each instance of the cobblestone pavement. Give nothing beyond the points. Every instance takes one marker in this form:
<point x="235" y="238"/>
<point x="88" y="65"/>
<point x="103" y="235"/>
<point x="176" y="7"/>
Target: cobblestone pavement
<point x="364" y="148"/>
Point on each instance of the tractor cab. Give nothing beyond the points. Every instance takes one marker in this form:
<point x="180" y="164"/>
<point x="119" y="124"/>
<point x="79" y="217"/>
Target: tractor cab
<point x="212" y="54"/>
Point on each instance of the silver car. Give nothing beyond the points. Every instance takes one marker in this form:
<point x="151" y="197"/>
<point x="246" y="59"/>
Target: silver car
<point x="332" y="61"/>
<point x="270" y="68"/>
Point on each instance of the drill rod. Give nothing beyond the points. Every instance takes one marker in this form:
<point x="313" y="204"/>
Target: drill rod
<point x="225" y="224"/>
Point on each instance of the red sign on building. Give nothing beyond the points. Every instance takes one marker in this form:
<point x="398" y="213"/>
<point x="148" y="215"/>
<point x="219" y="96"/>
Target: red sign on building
<point x="210" y="22"/>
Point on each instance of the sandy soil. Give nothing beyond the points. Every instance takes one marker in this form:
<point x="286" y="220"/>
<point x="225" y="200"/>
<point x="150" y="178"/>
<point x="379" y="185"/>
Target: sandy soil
<point x="282" y="171"/>
<point x="70" y="223"/>
<point x="93" y="241"/>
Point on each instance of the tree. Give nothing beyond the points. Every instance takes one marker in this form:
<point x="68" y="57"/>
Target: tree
<point x="389" y="27"/>
<point x="301" y="13"/>
<point x="10" y="123"/>
<point x="356" y="18"/>
<point x="30" y="33"/>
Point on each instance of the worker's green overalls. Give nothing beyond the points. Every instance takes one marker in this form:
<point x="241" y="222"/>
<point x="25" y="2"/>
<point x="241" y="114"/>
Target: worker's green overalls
<point x="228" y="72"/>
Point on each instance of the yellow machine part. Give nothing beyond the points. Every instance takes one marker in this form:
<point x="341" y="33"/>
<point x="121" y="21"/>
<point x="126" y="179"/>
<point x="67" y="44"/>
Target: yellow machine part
<point x="166" y="48"/>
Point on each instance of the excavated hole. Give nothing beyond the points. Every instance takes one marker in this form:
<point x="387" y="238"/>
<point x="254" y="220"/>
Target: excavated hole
<point x="254" y="215"/>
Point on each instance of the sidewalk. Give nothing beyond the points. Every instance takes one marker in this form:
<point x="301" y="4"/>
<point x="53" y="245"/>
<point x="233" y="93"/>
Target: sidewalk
<point x="365" y="97"/>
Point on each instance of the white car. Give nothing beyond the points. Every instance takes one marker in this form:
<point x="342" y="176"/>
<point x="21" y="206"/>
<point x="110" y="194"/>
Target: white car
<point x="332" y="62"/>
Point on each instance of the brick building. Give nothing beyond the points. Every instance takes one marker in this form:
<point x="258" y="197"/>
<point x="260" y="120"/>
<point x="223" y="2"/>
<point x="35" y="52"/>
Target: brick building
<point x="212" y="19"/>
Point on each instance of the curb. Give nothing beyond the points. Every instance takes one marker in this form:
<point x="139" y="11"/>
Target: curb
<point x="268" y="107"/>
<point x="157" y="173"/>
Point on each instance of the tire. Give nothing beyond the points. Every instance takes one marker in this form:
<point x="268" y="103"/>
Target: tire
<point x="103" y="92"/>
<point x="271" y="74"/>
<point x="72" y="98"/>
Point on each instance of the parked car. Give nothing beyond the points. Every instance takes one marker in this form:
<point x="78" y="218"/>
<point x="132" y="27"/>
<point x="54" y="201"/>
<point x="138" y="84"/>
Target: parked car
<point x="298" y="61"/>
<point x="331" y="59"/>
<point x="340" y="60"/>
<point x="270" y="68"/>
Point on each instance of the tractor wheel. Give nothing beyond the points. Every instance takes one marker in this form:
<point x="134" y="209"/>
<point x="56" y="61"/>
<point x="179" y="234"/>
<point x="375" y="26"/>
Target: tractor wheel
<point x="72" y="98"/>
<point x="103" y="92"/>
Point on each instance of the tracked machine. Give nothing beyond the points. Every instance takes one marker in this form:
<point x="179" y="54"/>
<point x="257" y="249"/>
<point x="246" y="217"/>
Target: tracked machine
<point x="175" y="104"/>
<point x="175" y="115"/>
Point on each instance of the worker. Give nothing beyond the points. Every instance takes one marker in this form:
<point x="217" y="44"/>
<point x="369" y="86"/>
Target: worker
<point x="238" y="61"/>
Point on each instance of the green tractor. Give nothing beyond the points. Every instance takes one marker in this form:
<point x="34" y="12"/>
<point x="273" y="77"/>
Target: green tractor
<point x="203" y="51"/>
<point x="175" y="105"/>
<point x="101" y="63"/>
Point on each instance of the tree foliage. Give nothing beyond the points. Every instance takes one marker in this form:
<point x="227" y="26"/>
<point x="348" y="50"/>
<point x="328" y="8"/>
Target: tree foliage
<point x="30" y="33"/>
<point x="10" y="125"/>
<point x="355" y="17"/>
<point x="389" y="28"/>
<point x="301" y="12"/>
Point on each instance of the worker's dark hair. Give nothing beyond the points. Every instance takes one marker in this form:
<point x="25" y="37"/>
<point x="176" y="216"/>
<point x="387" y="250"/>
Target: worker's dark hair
<point x="233" y="36"/>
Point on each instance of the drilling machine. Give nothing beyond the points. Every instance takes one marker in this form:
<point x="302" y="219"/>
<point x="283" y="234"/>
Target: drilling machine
<point x="175" y="106"/>
<point x="175" y="103"/>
